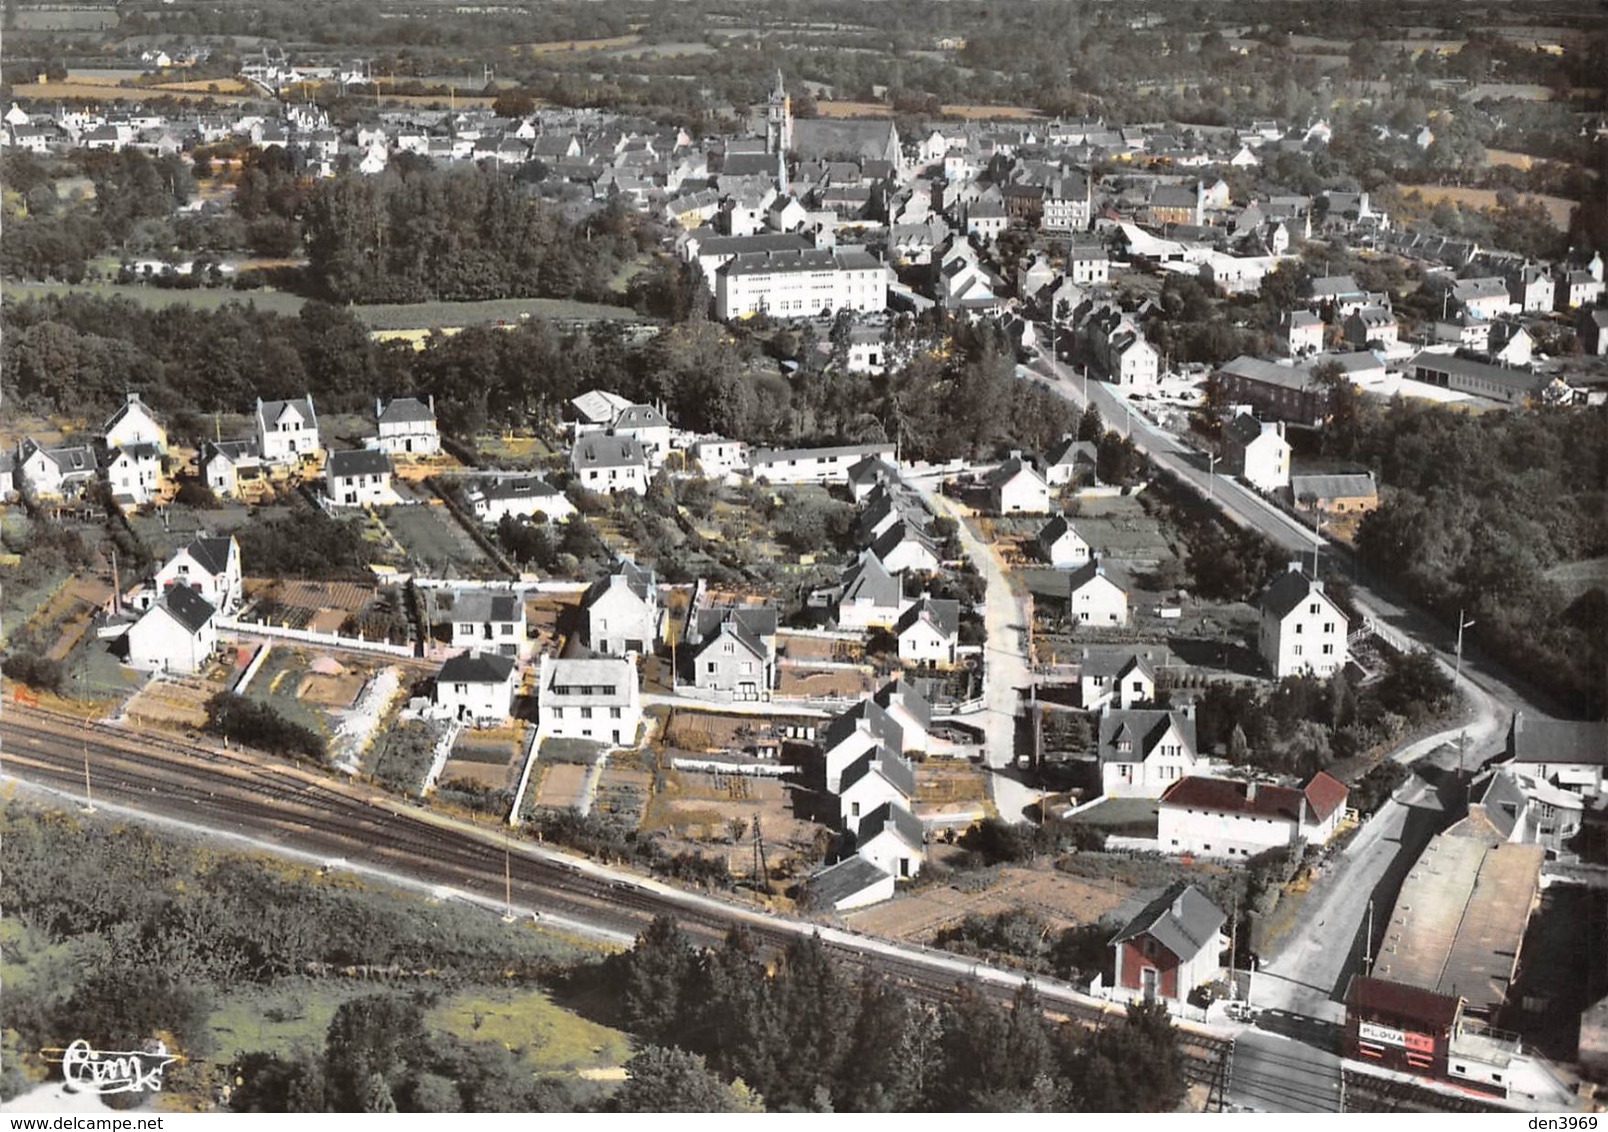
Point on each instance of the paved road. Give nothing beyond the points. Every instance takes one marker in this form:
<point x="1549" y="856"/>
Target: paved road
<point x="1396" y="619"/>
<point x="1007" y="670"/>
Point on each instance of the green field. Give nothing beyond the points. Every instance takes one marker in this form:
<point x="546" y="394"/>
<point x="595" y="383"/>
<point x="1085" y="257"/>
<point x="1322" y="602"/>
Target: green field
<point x="423" y="316"/>
<point x="552" y="1039"/>
<point x="385" y="316"/>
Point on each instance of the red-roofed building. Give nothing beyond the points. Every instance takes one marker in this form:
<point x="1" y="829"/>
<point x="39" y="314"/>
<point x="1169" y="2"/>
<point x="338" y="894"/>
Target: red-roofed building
<point x="1223" y="817"/>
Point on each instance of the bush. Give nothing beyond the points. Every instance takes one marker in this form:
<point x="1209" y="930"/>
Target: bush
<point x="34" y="669"/>
<point x="258" y="725"/>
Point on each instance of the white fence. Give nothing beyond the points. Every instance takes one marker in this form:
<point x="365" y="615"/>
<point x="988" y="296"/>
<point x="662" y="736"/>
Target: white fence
<point x="748" y="770"/>
<point x="228" y="625"/>
<point x="443" y="752"/>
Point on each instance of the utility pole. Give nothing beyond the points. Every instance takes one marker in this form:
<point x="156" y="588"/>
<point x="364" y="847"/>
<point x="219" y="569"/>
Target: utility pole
<point x="1317" y="537"/>
<point x="1211" y="476"/>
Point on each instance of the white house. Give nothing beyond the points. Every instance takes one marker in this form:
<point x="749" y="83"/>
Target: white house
<point x="59" y="472"/>
<point x="477" y="687"/>
<point x="176" y="634"/>
<point x="489" y="622"/>
<point x="1302" y="629"/>
<point x="871" y="782"/>
<point x="1115" y="679"/>
<point x="894" y="840"/>
<point x="621" y="613"/>
<point x="929" y="632"/>
<point x="1484" y="298"/>
<point x="1224" y="817"/>
<point x="287" y="431"/>
<point x="859" y="731"/>
<point x="610" y="464"/>
<point x="903" y="548"/>
<point x="1070" y="461"/>
<point x="872" y="598"/>
<point x="1061" y="545"/>
<point x="718" y="457"/>
<point x="518" y="496"/>
<point x="1257" y="452"/>
<point x="1301" y="332"/>
<point x="134" y="424"/>
<point x="226" y="464"/>
<point x="134" y="473"/>
<point x="407" y="427"/>
<point x="359" y="477"/>
<point x="1016" y="488"/>
<point x="1532" y="289"/>
<point x="648" y="427"/>
<point x="909" y="709"/>
<point x="1172" y="946"/>
<point x="1094" y="597"/>
<point x="1143" y="751"/>
<point x="210" y="567"/>
<point x="589" y="698"/>
<point x="734" y="651"/>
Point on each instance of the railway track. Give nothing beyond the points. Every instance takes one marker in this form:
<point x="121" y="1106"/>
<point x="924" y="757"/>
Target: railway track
<point x="299" y="811"/>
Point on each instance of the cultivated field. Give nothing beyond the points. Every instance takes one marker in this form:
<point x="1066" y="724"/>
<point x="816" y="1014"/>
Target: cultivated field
<point x="1558" y="208"/>
<point x="562" y="785"/>
<point x="1063" y="900"/>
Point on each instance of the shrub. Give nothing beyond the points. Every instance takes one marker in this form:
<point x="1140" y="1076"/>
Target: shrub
<point x="258" y="725"/>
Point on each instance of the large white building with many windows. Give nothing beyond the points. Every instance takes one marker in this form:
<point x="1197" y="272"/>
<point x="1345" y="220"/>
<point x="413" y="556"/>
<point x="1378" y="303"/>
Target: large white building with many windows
<point x="800" y="284"/>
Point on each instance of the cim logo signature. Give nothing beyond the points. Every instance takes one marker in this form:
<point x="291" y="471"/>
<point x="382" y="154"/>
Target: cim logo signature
<point x="87" y="1070"/>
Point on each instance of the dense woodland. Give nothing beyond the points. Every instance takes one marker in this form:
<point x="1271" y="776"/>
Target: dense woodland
<point x="812" y="1037"/>
<point x="144" y="933"/>
<point x="1478" y="513"/>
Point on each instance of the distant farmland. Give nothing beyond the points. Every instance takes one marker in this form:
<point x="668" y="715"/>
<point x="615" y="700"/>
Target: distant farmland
<point x="1558" y="208"/>
<point x="400" y="319"/>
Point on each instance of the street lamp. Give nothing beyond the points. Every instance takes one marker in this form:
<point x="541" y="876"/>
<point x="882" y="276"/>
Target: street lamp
<point x="1457" y="683"/>
<point x="1317" y="537"/>
<point x="1461" y="625"/>
<point x="1211" y="475"/>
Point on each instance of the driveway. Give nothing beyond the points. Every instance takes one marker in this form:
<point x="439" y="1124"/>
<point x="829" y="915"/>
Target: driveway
<point x="1006" y="671"/>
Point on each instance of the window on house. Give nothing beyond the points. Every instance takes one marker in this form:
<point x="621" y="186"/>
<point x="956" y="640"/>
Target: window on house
<point x="1299" y="628"/>
<point x="1297" y="650"/>
<point x="1328" y="626"/>
<point x="558" y="713"/>
<point x="711" y="668"/>
<point x="614" y="713"/>
<point x="586" y="713"/>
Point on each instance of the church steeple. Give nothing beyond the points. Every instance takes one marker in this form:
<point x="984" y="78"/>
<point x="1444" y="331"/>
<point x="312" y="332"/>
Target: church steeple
<point x="779" y="119"/>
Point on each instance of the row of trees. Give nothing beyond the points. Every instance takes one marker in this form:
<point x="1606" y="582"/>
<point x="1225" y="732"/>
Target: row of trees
<point x="807" y="1036"/>
<point x="75" y="353"/>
